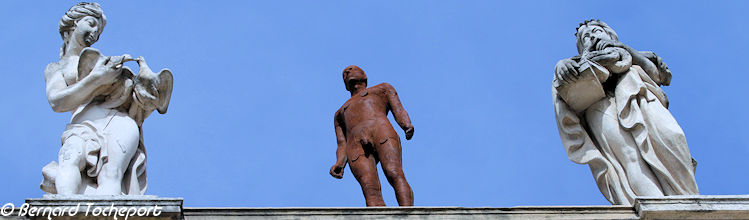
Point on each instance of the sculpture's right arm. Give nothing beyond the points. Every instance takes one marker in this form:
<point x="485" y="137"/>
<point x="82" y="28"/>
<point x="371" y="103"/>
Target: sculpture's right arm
<point x="337" y="170"/>
<point x="63" y="97"/>
<point x="341" y="140"/>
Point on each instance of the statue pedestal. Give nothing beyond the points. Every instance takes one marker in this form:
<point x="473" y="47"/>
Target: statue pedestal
<point x="672" y="207"/>
<point x="693" y="207"/>
<point x="102" y="207"/>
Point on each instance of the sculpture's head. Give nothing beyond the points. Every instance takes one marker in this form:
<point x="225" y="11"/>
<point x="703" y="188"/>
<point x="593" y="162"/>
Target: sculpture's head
<point x="82" y="23"/>
<point x="590" y="30"/>
<point x="354" y="78"/>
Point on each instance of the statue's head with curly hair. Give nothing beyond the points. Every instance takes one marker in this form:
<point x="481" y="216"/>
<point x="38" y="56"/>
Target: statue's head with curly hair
<point x="591" y="29"/>
<point x="83" y="23"/>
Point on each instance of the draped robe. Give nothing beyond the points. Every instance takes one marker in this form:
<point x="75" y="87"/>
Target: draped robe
<point x="634" y="113"/>
<point x="124" y="99"/>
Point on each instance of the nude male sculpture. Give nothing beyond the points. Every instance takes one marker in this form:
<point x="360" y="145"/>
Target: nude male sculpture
<point x="366" y="137"/>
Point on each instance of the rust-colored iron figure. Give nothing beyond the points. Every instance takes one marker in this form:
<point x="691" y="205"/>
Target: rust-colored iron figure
<point x="366" y="137"/>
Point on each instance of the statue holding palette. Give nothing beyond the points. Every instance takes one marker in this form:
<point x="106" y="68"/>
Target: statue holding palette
<point x="102" y="149"/>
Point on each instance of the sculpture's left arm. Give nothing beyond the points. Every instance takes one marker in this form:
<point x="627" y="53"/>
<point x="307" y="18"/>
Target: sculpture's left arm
<point x="642" y="61"/>
<point x="648" y="61"/>
<point x="399" y="113"/>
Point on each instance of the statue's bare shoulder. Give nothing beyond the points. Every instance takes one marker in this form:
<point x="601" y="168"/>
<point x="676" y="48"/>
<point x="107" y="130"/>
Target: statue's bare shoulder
<point x="338" y="117"/>
<point x="52" y="69"/>
<point x="339" y="112"/>
<point x="383" y="89"/>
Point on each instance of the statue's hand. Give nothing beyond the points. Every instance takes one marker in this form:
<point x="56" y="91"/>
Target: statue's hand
<point x="665" y="73"/>
<point x="337" y="170"/>
<point x="662" y="65"/>
<point x="650" y="55"/>
<point x="566" y="71"/>
<point x="409" y="132"/>
<point x="603" y="57"/>
<point x="658" y="61"/>
<point x="107" y="70"/>
<point x="605" y="43"/>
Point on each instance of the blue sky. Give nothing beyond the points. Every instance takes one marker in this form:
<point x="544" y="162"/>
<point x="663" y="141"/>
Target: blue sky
<point x="257" y="83"/>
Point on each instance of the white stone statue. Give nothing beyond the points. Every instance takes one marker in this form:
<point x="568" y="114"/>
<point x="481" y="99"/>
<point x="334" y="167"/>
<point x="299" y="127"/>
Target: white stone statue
<point x="613" y="116"/>
<point x="102" y="147"/>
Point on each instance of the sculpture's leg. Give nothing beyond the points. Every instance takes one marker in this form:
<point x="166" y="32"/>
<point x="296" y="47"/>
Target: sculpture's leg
<point x="364" y="169"/>
<point x="71" y="158"/>
<point x="605" y="125"/>
<point x="390" y="157"/>
<point x="123" y="137"/>
<point x="670" y="144"/>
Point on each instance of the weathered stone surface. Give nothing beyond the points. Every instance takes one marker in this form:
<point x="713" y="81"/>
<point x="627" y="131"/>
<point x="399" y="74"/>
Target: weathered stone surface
<point x="13" y="215"/>
<point x="669" y="207"/>
<point x="613" y="115"/>
<point x="693" y="207"/>
<point x="558" y="212"/>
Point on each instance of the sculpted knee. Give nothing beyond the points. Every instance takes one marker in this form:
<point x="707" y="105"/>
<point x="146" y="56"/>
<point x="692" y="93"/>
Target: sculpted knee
<point x="372" y="191"/>
<point x="70" y="157"/>
<point x="112" y="172"/>
<point x="373" y="186"/>
<point x="394" y="172"/>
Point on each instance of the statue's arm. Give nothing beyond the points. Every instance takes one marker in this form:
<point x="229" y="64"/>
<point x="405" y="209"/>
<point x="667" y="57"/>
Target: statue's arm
<point x="63" y="97"/>
<point x="399" y="113"/>
<point x="664" y="76"/>
<point x="337" y="170"/>
<point x="638" y="58"/>
<point x="340" y="140"/>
